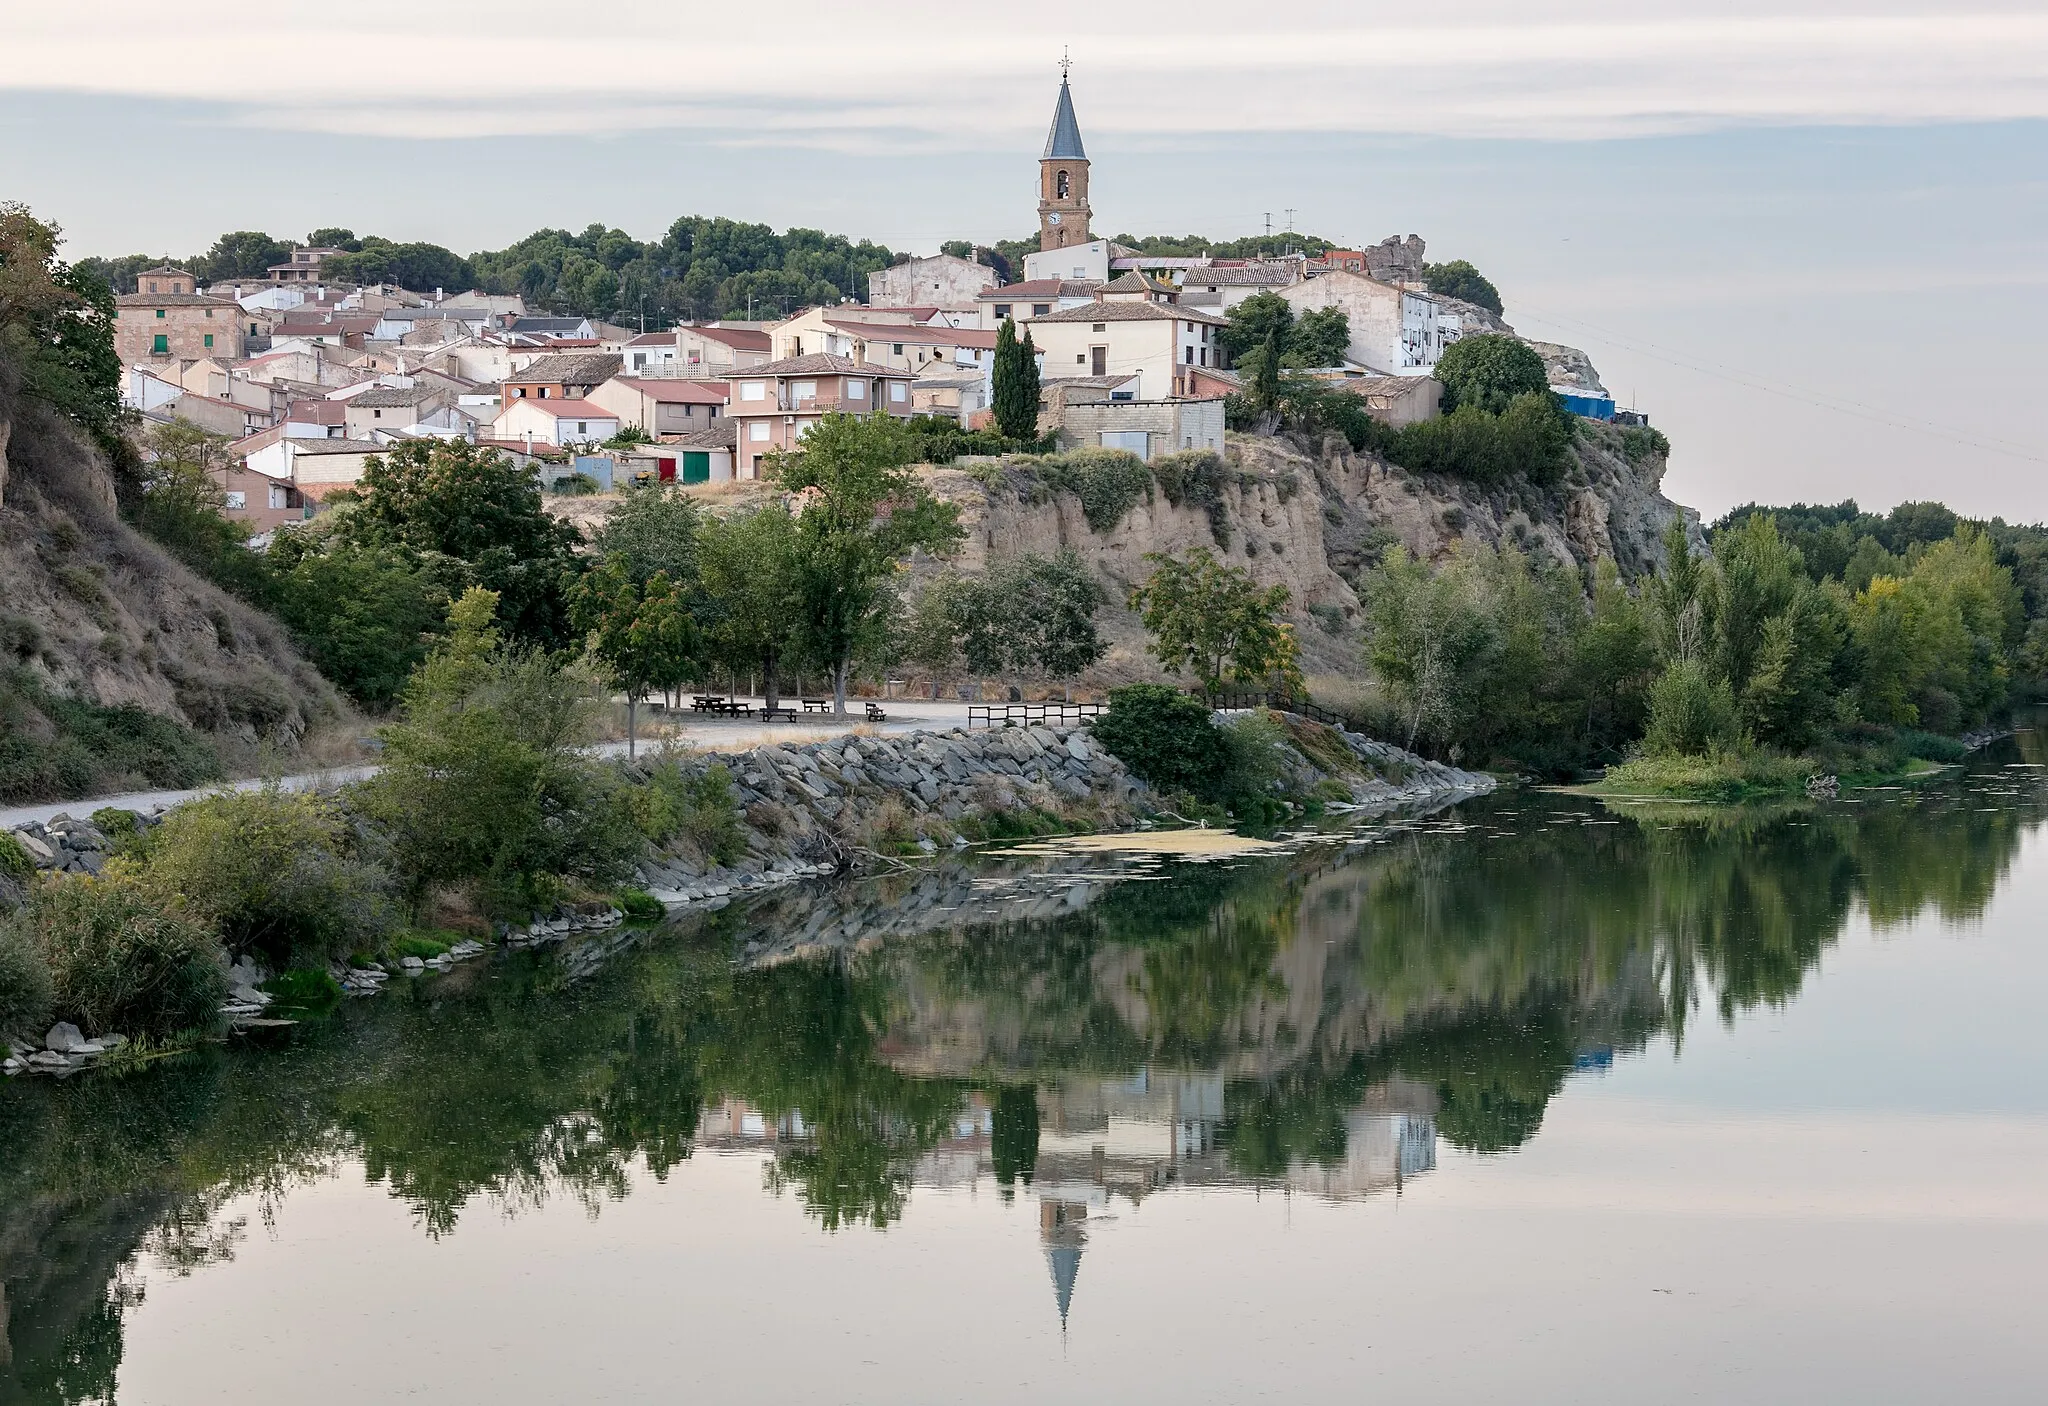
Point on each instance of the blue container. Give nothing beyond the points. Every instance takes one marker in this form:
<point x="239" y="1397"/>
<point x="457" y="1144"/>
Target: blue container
<point x="1592" y="407"/>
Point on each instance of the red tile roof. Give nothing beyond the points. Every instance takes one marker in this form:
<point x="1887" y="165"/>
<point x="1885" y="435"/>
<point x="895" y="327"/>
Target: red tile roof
<point x="671" y="391"/>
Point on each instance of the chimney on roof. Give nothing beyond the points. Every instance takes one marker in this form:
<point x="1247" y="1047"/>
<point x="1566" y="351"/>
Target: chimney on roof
<point x="860" y="352"/>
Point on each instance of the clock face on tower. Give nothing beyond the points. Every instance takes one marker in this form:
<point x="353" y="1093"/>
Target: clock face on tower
<point x="1054" y="217"/>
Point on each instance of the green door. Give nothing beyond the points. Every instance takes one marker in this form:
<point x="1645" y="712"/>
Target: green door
<point x="696" y="467"/>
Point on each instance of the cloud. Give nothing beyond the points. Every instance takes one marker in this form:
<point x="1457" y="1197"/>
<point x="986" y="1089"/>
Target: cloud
<point x="934" y="77"/>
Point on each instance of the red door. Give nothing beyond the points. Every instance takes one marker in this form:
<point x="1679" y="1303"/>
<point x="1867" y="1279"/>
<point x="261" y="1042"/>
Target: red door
<point x="667" y="469"/>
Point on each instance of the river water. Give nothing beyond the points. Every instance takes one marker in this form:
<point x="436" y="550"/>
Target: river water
<point x="1532" y="1099"/>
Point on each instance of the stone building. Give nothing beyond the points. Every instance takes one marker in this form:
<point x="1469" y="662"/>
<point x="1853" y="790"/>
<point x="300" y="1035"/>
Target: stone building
<point x="941" y="281"/>
<point x="171" y="320"/>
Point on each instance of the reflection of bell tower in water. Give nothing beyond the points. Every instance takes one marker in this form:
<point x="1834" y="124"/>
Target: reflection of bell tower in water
<point x="1062" y="1225"/>
<point x="1063" y="178"/>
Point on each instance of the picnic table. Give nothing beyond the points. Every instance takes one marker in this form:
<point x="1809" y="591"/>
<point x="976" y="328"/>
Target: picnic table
<point x="706" y="702"/>
<point x="817" y="705"/>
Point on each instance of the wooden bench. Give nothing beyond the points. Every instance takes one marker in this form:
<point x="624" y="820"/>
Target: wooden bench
<point x="817" y="705"/>
<point x="876" y="715"/>
<point x="780" y="715"/>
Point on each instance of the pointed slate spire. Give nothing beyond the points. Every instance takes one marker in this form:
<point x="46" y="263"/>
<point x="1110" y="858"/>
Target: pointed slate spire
<point x="1065" y="1262"/>
<point x="1063" y="142"/>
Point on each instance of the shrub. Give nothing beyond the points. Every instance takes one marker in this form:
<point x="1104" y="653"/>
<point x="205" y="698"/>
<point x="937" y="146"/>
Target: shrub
<point x="122" y="958"/>
<point x="25" y="989"/>
<point x="15" y="863"/>
<point x="273" y="871"/>
<point x="1640" y="442"/>
<point x="1165" y="737"/>
<point x="1251" y="766"/>
<point x="699" y="807"/>
<point x="52" y="747"/>
<point x="1109" y="482"/>
<point x="1690" y="714"/>
<point x="1929" y="747"/>
<point x="1490" y="371"/>
<point x="116" y="824"/>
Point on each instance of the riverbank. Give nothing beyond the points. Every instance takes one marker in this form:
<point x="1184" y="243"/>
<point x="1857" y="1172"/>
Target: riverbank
<point x="730" y="823"/>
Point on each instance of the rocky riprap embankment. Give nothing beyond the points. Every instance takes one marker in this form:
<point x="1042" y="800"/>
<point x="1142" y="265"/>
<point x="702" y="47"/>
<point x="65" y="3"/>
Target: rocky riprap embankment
<point x="806" y="807"/>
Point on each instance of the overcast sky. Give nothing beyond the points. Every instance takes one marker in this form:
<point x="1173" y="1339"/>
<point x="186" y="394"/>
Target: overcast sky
<point x="1807" y="238"/>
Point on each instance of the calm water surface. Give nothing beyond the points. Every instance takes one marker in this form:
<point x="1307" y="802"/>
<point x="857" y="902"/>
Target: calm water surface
<point x="1532" y="1100"/>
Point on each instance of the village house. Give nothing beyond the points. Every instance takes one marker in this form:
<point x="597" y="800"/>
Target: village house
<point x="956" y="395"/>
<point x="661" y="405"/>
<point x="390" y="408"/>
<point x="303" y="266"/>
<point x="221" y="417"/>
<point x="258" y="502"/>
<point x="170" y="319"/>
<point x="561" y="376"/>
<point x="774" y="406"/>
<point x="315" y="467"/>
<point x="941" y="281"/>
<point x="1023" y="301"/>
<point x="560" y="422"/>
<point x="1221" y="287"/>
<point x="1146" y="428"/>
<point x="1151" y="341"/>
<point x="316" y="419"/>
<point x="1393" y="330"/>
<point x="718" y="351"/>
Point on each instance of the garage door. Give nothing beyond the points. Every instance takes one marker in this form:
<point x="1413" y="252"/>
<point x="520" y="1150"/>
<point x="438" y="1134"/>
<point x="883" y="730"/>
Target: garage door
<point x="696" y="467"/>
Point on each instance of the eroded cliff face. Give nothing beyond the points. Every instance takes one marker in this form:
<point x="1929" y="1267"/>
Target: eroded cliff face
<point x="1315" y="519"/>
<point x="91" y="610"/>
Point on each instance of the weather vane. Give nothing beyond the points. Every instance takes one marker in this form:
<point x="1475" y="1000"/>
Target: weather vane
<point x="1065" y="63"/>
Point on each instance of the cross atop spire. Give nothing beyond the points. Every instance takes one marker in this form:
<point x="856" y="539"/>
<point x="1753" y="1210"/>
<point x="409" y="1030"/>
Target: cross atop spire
<point x="1065" y="63"/>
<point x="1063" y="142"/>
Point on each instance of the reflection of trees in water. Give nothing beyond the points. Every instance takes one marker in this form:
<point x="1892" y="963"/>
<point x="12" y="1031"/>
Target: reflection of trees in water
<point x="1480" y="965"/>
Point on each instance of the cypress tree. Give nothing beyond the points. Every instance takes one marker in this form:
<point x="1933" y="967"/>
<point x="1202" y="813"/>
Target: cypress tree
<point x="1016" y="388"/>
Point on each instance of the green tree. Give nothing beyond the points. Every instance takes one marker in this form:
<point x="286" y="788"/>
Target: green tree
<point x="1320" y="338"/>
<point x="1260" y="319"/>
<point x="1488" y="371"/>
<point x="748" y="567"/>
<point x="246" y="253"/>
<point x="57" y="330"/>
<point x="1214" y="620"/>
<point x="333" y="237"/>
<point x="482" y="787"/>
<point x="928" y="634"/>
<point x="365" y="616"/>
<point x="641" y="632"/>
<point x="1016" y="383"/>
<point x="654" y="528"/>
<point x="183" y="502"/>
<point x="466" y="507"/>
<point x="1458" y="279"/>
<point x="1056" y="600"/>
<point x="861" y="513"/>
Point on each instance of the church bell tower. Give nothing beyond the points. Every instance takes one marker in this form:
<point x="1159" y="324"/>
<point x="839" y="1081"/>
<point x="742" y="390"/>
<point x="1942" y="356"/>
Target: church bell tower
<point x="1063" y="178"/>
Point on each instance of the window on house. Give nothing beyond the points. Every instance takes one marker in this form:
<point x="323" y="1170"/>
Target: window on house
<point x="898" y="391"/>
<point x="806" y="390"/>
<point x="161" y="344"/>
<point x="237" y="502"/>
<point x="152" y="285"/>
<point x="279" y="498"/>
<point x="543" y="392"/>
<point x="1101" y="327"/>
<point x="209" y="339"/>
<point x="159" y="312"/>
<point x="1040" y="309"/>
<point x="582" y="427"/>
<point x="1002" y="310"/>
<point x="758" y="431"/>
<point x="856" y="390"/>
<point x="376" y="414"/>
<point x="753" y="390"/>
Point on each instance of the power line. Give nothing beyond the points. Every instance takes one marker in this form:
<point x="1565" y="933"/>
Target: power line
<point x="1819" y="400"/>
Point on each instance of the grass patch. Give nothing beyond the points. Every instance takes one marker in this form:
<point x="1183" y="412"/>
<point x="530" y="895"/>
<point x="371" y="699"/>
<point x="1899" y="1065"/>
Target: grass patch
<point x="1725" y="776"/>
<point x="305" y="989"/>
<point x="54" y="748"/>
<point x="639" y="906"/>
<point x="415" y="942"/>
